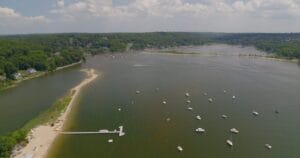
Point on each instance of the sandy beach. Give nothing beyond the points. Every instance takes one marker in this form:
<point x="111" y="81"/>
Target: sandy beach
<point x="41" y="137"/>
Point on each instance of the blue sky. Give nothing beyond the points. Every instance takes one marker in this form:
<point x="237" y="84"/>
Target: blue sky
<point x="50" y="16"/>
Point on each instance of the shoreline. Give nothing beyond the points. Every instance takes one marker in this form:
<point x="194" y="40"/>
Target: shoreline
<point x="41" y="137"/>
<point x="15" y="83"/>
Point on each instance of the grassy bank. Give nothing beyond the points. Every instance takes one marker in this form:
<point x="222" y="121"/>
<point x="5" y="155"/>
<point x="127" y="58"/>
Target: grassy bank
<point x="19" y="136"/>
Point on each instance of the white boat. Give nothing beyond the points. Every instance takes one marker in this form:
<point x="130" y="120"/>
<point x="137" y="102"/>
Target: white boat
<point x="164" y="102"/>
<point x="168" y="119"/>
<point x="119" y="109"/>
<point x="179" y="148"/>
<point x="268" y="146"/>
<point x="224" y="91"/>
<point x="255" y="113"/>
<point x="190" y="108"/>
<point x="188" y="101"/>
<point x="210" y="100"/>
<point x="198" y="117"/>
<point x="205" y="94"/>
<point x="234" y="130"/>
<point x="110" y="140"/>
<point x="200" y="130"/>
<point x="234" y="97"/>
<point x="187" y="94"/>
<point x="229" y="142"/>
<point x="137" y="92"/>
<point x="224" y="116"/>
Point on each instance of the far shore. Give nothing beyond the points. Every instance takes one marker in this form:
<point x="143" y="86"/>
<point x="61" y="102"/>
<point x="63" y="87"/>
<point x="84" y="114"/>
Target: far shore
<point x="41" y="138"/>
<point x="35" y="75"/>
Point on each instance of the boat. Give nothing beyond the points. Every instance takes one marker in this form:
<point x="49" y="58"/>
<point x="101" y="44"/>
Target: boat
<point x="137" y="92"/>
<point x="168" y="119"/>
<point x="187" y="94"/>
<point x="210" y="100"/>
<point x="200" y="130"/>
<point x="179" y="148"/>
<point x="224" y="116"/>
<point x="119" y="109"/>
<point x="276" y="112"/>
<point x="234" y="97"/>
<point x="229" y="142"/>
<point x="164" y="102"/>
<point x="110" y="140"/>
<point x="198" y="117"/>
<point x="255" y="113"/>
<point x="234" y="130"/>
<point x="268" y="146"/>
<point x="205" y="94"/>
<point x="188" y="101"/>
<point x="224" y="91"/>
<point x="190" y="108"/>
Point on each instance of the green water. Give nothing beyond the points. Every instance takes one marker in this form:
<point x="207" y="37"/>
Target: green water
<point x="20" y="104"/>
<point x="259" y="84"/>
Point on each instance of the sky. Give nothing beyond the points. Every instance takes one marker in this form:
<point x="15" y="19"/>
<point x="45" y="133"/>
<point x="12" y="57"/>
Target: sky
<point x="57" y="16"/>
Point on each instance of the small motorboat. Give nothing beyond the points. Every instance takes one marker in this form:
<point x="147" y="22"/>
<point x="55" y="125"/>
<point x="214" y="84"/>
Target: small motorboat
<point x="255" y="113"/>
<point x="198" y="117"/>
<point x="188" y="101"/>
<point x="234" y="130"/>
<point x="168" y="119"/>
<point x="190" y="108"/>
<point x="229" y="142"/>
<point x="179" y="148"/>
<point x="137" y="92"/>
<point x="224" y="91"/>
<point x="200" y="130"/>
<point x="224" y="116"/>
<point x="164" y="102"/>
<point x="233" y="97"/>
<point x="110" y="140"/>
<point x="187" y="94"/>
<point x="268" y="146"/>
<point x="210" y="100"/>
<point x="205" y="94"/>
<point x="119" y="109"/>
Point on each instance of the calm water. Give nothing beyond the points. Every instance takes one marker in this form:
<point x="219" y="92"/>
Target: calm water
<point x="259" y="84"/>
<point x="28" y="99"/>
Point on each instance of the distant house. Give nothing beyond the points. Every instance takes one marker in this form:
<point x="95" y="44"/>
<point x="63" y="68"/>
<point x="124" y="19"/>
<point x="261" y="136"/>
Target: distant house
<point x="17" y="75"/>
<point x="31" y="71"/>
<point x="2" y="78"/>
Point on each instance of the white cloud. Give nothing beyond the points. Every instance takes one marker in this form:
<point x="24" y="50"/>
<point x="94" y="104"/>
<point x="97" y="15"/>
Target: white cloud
<point x="166" y="15"/>
<point x="9" y="17"/>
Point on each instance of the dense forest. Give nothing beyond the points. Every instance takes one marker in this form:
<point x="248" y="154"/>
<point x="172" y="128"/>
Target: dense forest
<point x="45" y="52"/>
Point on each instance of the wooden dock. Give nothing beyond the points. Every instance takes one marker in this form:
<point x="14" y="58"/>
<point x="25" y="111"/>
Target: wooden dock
<point x="120" y="132"/>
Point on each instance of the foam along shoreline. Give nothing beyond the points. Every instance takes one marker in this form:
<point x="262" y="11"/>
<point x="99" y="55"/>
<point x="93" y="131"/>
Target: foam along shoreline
<point x="41" y="138"/>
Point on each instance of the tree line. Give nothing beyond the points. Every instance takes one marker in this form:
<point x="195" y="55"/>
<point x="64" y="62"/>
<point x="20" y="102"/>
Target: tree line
<point x="46" y="52"/>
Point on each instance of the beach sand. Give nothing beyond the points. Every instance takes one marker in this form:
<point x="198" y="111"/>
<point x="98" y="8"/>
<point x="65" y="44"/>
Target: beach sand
<point x="41" y="138"/>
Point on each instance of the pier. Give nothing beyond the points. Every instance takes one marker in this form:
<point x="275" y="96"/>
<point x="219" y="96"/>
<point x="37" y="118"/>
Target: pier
<point x="120" y="132"/>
